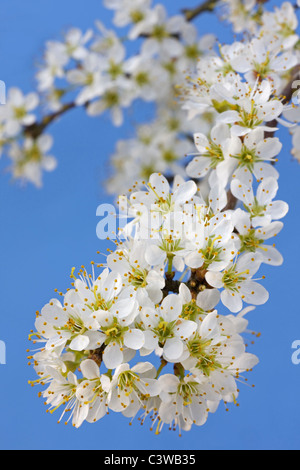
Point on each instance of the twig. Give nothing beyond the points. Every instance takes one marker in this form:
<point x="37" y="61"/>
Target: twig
<point x="163" y="364"/>
<point x="36" y="129"/>
<point x="208" y="6"/>
<point x="286" y="95"/>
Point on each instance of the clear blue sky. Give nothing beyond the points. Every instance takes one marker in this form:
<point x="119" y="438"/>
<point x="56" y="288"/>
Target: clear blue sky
<point x="46" y="232"/>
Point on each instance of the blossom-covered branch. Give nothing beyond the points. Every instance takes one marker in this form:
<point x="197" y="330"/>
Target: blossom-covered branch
<point x="93" y="71"/>
<point x="158" y="329"/>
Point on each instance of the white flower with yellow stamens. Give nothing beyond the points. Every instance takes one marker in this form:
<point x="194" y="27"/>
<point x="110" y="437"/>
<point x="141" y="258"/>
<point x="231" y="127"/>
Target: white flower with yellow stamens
<point x="17" y="112"/>
<point x="196" y="309"/>
<point x="254" y="154"/>
<point x="129" y="261"/>
<point x="262" y="208"/>
<point x="62" y="391"/>
<point x="184" y="402"/>
<point x="210" y="242"/>
<point x="72" y="324"/>
<point x="165" y="329"/>
<point x="248" y="108"/>
<point x="253" y="240"/>
<point x="93" y="390"/>
<point x="212" y="151"/>
<point x="132" y="387"/>
<point x="237" y="282"/>
<point x="215" y="352"/>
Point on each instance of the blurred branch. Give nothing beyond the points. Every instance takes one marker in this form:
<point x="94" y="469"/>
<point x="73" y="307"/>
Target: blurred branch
<point x="286" y="96"/>
<point x="208" y="6"/>
<point x="288" y="91"/>
<point x="36" y="129"/>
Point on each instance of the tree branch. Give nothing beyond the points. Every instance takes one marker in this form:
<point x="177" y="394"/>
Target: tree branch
<point x="207" y="6"/>
<point x="286" y="96"/>
<point x="36" y="129"/>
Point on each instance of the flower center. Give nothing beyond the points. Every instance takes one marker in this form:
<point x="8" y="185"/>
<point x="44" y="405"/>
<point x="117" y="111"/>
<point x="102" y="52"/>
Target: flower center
<point x="256" y="210"/>
<point x="211" y="253"/>
<point x="126" y="381"/>
<point x="205" y="354"/>
<point x="231" y="279"/>
<point x="114" y="332"/>
<point x="191" y="311"/>
<point x="20" y="112"/>
<point x="247" y="158"/>
<point x="136" y="16"/>
<point x="115" y="70"/>
<point x="142" y="79"/>
<point x="111" y="99"/>
<point x="215" y="153"/>
<point x="164" y="330"/>
<point x="160" y="33"/>
<point x="138" y="277"/>
<point x="250" y="242"/>
<point x="187" y="391"/>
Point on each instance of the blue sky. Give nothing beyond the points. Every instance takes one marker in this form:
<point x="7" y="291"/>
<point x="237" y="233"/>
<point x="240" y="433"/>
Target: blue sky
<point x="46" y="232"/>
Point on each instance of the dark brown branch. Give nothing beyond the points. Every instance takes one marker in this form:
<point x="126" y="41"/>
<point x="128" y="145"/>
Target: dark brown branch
<point x="97" y="355"/>
<point x="208" y="6"/>
<point x="36" y="129"/>
<point x="286" y="97"/>
<point x="171" y="285"/>
<point x="231" y="201"/>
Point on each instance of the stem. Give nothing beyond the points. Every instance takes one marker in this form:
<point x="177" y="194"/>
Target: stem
<point x="183" y="274"/>
<point x="179" y="370"/>
<point x="162" y="365"/>
<point x="170" y="265"/>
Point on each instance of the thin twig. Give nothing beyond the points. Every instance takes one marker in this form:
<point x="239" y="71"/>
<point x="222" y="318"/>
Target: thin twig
<point x="286" y="97"/>
<point x="36" y="129"/>
<point x="208" y="6"/>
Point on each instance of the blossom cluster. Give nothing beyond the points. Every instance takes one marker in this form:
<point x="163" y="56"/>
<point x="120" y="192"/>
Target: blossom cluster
<point x="93" y="69"/>
<point x="95" y="341"/>
<point x="159" y="332"/>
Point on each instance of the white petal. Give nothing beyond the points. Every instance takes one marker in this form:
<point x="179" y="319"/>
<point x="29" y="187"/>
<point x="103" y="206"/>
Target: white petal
<point x="232" y="301"/>
<point x="150" y="340"/>
<point x="254" y="293"/>
<point x="154" y="255"/>
<point x="208" y="299"/>
<point x="185" y="329"/>
<point x="134" y="339"/>
<point x="173" y="349"/>
<point x="185" y="294"/>
<point x="79" y="343"/>
<point x="214" y="279"/>
<point x="112" y="356"/>
<point x="185" y="192"/>
<point x="171" y="307"/>
<point x="89" y="369"/>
